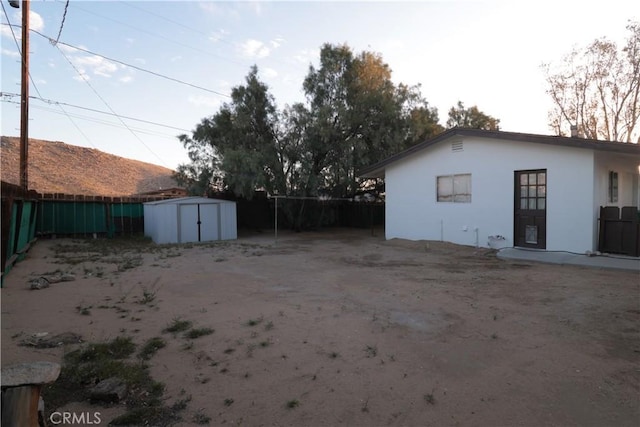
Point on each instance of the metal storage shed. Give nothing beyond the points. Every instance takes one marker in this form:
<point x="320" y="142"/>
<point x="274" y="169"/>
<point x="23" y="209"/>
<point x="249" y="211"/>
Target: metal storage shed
<point x="190" y="219"/>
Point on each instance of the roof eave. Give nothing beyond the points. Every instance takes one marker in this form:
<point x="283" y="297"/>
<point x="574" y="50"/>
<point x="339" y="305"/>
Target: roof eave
<point x="377" y="170"/>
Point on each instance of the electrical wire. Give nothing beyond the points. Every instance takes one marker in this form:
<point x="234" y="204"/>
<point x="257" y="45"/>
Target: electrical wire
<point x="133" y="66"/>
<point x="15" y="39"/>
<point x="168" y="39"/>
<point x="34" y="83"/>
<point x="64" y="16"/>
<point x="51" y="102"/>
<point x="97" y="120"/>
<point x="187" y="27"/>
<point x="109" y="107"/>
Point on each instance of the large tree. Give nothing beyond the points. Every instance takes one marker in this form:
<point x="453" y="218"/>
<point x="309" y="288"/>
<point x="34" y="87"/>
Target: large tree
<point x="472" y="117"/>
<point x="597" y="90"/>
<point x="358" y="116"/>
<point x="353" y="116"/>
<point x="241" y="141"/>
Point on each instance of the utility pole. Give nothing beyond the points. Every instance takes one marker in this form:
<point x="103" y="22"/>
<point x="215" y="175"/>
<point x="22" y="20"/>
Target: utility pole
<point x="24" y="97"/>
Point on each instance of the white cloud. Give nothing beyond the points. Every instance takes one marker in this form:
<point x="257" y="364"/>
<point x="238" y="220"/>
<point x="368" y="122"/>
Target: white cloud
<point x="35" y="21"/>
<point x="68" y="49"/>
<point x="254" y="49"/>
<point x="11" y="53"/>
<point x="5" y="31"/>
<point x="218" y="35"/>
<point x="126" y="79"/>
<point x="269" y="73"/>
<point x="204" y="101"/>
<point x="99" y="65"/>
<point x="220" y="9"/>
<point x="277" y="42"/>
<point x="256" y="6"/>
<point x="82" y="77"/>
<point x="306" y="56"/>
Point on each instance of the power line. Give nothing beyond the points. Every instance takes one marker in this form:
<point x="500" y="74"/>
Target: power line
<point x="159" y="36"/>
<point x="51" y="102"/>
<point x="95" y="120"/>
<point x="54" y="42"/>
<point x="15" y="39"/>
<point x="109" y="107"/>
<point x="64" y="15"/>
<point x="172" y="21"/>
<point x="34" y="83"/>
<point x="132" y="66"/>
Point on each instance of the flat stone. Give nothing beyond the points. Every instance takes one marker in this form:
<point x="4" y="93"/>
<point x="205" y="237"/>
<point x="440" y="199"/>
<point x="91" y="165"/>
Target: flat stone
<point x="111" y="390"/>
<point x="39" y="283"/>
<point x="42" y="341"/>
<point x="57" y="278"/>
<point x="29" y="373"/>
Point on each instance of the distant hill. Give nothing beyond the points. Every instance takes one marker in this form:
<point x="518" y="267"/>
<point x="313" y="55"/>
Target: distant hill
<point x="56" y="167"/>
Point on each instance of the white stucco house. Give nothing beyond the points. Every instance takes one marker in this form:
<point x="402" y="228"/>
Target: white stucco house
<point x="504" y="189"/>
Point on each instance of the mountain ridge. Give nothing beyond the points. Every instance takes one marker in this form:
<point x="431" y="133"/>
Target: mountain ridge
<point x="58" y="167"/>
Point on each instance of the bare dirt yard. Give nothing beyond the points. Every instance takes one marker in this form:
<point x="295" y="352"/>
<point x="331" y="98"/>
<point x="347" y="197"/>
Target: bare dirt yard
<point x="327" y="328"/>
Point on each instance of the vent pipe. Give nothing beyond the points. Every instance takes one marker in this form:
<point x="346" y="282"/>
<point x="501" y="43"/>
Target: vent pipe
<point x="574" y="131"/>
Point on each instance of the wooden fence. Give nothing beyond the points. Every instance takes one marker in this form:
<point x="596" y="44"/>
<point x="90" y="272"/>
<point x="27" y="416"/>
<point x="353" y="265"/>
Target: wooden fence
<point x="28" y="214"/>
<point x="619" y="231"/>
<point x="18" y="224"/>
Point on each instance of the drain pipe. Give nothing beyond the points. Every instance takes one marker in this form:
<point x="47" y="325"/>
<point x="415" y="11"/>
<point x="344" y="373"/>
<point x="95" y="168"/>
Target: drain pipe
<point x="477" y="237"/>
<point x="442" y="230"/>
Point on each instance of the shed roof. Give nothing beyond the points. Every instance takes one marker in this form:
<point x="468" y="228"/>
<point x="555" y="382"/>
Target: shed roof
<point x="188" y="200"/>
<point x="377" y="170"/>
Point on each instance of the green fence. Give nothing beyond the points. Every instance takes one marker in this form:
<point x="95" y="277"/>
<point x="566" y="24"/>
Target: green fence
<point x="86" y="218"/>
<point x="27" y="214"/>
<point x="19" y="214"/>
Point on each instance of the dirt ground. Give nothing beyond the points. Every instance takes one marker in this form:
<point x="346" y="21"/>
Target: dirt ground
<point x="340" y="327"/>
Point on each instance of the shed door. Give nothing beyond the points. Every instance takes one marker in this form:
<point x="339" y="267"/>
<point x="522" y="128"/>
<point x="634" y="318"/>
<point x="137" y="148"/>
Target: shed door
<point x="209" y="224"/>
<point x="199" y="223"/>
<point x="188" y="223"/>
<point x="530" y="213"/>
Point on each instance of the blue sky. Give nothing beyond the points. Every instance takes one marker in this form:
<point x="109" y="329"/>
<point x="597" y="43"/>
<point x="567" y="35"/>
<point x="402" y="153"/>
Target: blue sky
<point x="482" y="53"/>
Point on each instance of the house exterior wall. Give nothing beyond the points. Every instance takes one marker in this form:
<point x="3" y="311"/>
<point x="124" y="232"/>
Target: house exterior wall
<point x="628" y="169"/>
<point x="628" y="173"/>
<point x="412" y="211"/>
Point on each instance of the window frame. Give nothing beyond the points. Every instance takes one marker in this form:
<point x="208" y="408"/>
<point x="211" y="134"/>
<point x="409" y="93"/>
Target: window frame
<point x="464" y="196"/>
<point x="614" y="185"/>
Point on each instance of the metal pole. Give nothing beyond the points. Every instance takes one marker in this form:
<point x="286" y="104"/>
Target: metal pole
<point x="24" y="96"/>
<point x="276" y="222"/>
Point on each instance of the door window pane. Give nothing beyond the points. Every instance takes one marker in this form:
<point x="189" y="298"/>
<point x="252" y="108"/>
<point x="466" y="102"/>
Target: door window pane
<point x="523" y="191"/>
<point x="542" y="205"/>
<point x="532" y="191"/>
<point x="532" y="179"/>
<point x="542" y="191"/>
<point x="523" y="179"/>
<point x="532" y="204"/>
<point x="531" y="234"/>
<point x="542" y="178"/>
<point x="523" y="203"/>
